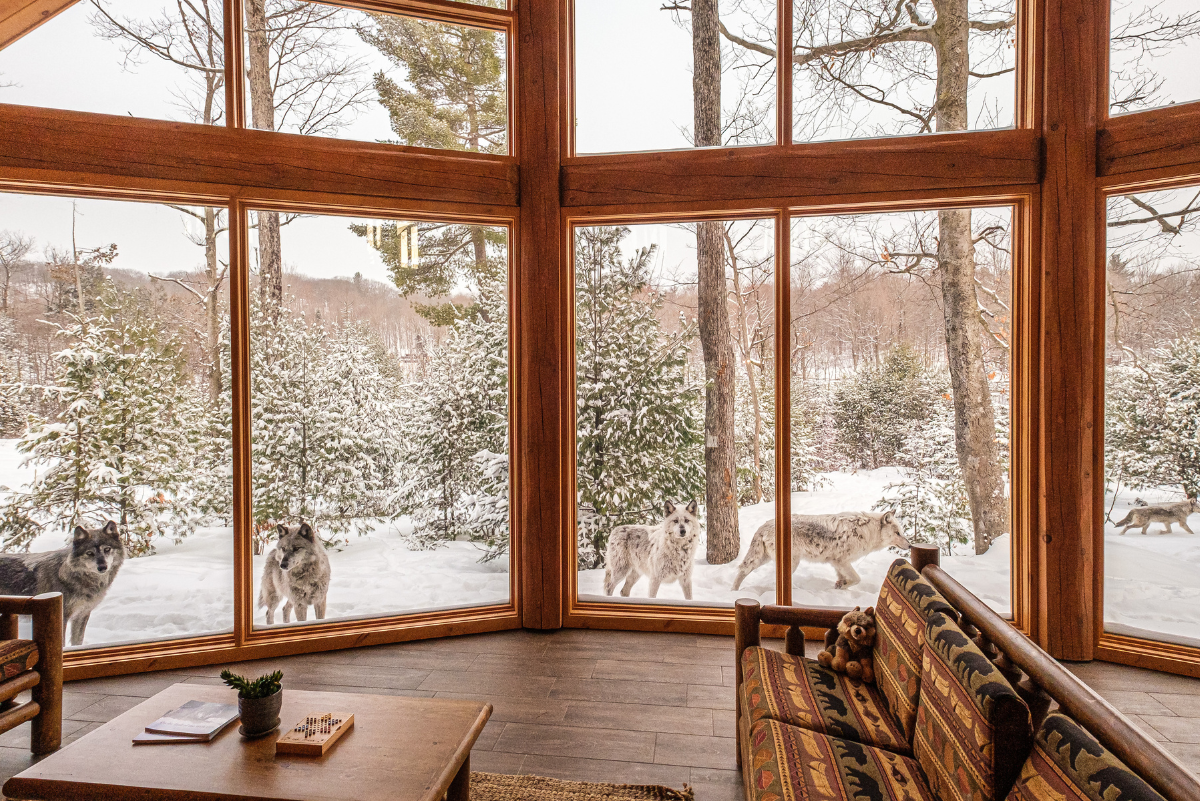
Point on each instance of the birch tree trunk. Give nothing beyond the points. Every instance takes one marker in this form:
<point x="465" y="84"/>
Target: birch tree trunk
<point x="262" y="117"/>
<point x="720" y="466"/>
<point x="974" y="418"/>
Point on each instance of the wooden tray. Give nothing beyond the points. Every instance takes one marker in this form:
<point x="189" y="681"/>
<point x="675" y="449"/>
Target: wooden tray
<point x="314" y="735"/>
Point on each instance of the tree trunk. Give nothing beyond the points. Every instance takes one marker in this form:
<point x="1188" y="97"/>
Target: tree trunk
<point x="212" y="310"/>
<point x="974" y="418"/>
<point x="262" y="117"/>
<point x="745" y="345"/>
<point x="720" y="465"/>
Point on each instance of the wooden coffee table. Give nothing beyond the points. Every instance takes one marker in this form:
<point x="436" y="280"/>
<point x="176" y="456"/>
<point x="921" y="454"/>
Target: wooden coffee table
<point x="400" y="749"/>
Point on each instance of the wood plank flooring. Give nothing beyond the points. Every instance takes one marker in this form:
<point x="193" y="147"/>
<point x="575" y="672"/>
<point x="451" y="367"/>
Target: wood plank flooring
<point x="589" y="705"/>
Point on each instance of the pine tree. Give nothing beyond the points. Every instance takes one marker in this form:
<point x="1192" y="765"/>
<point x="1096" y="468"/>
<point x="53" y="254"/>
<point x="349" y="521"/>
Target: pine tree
<point x="640" y="426"/>
<point x="120" y="448"/>
<point x="14" y="410"/>
<point x="456" y="434"/>
<point x="808" y="427"/>
<point x="876" y="408"/>
<point x="322" y="423"/>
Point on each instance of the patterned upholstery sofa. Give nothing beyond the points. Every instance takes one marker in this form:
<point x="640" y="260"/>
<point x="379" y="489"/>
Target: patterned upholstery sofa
<point x="960" y="711"/>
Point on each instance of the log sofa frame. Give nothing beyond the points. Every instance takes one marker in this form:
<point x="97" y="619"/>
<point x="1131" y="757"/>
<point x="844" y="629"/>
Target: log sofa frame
<point x="45" y="680"/>
<point x="1033" y="673"/>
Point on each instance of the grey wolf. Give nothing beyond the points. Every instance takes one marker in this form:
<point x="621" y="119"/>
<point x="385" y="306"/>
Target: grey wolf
<point x="1142" y="516"/>
<point x="837" y="539"/>
<point x="82" y="572"/>
<point x="297" y="572"/>
<point x="662" y="553"/>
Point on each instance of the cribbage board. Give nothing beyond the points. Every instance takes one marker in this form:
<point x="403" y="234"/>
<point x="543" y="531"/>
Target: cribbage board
<point x="314" y="735"/>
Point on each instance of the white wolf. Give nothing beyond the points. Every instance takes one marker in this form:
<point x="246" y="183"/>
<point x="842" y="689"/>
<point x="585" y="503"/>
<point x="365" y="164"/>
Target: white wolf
<point x="837" y="539"/>
<point x="1142" y="516"/>
<point x="662" y="553"/>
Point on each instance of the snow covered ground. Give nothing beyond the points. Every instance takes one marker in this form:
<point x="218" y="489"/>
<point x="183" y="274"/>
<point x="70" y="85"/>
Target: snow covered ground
<point x="1152" y="584"/>
<point x="812" y="584"/>
<point x="187" y="589"/>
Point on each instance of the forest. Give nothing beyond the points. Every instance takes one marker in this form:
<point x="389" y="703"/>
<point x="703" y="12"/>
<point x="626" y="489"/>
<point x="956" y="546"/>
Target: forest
<point x="379" y="348"/>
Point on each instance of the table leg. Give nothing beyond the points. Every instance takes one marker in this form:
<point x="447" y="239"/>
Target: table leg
<point x="460" y="787"/>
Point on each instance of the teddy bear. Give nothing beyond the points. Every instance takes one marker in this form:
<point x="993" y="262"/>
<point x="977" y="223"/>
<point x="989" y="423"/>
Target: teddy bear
<point x="848" y="648"/>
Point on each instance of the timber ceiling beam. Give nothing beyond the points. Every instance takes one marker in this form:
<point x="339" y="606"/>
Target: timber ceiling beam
<point x="1161" y="142"/>
<point x="19" y="17"/>
<point x="801" y="174"/>
<point x="149" y="153"/>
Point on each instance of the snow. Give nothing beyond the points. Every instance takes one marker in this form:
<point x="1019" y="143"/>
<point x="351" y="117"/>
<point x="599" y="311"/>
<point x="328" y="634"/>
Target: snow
<point x="988" y="576"/>
<point x="187" y="589"/>
<point x="1152" y="582"/>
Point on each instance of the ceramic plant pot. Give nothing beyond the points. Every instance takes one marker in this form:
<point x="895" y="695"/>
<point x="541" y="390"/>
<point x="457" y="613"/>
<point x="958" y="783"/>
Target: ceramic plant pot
<point x="260" y="715"/>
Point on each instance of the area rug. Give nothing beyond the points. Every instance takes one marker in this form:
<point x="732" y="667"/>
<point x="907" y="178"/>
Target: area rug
<point x="499" y="787"/>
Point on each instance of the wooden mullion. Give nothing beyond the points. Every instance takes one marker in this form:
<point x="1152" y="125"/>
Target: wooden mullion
<point x="179" y="154"/>
<point x="243" y="518"/>
<point x="1069" y="385"/>
<point x="783" y="409"/>
<point x="783" y="82"/>
<point x="235" y="68"/>
<point x="21" y="17"/>
<point x="446" y="11"/>
<point x="795" y="174"/>
<point x="1160" y="144"/>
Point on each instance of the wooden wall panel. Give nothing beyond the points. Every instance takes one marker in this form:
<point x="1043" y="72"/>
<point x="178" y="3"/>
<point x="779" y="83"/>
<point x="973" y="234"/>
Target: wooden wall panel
<point x="540" y="285"/>
<point x="1166" y="140"/>
<point x="73" y="142"/>
<point x="769" y="176"/>
<point x="1068" y="375"/>
<point x="19" y="17"/>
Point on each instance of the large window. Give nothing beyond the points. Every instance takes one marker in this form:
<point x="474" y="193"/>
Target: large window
<point x="322" y="70"/>
<point x="1153" y="55"/>
<point x="900" y="338"/>
<point x="379" y="410"/>
<point x="879" y="68"/>
<point x="1152" y="416"/>
<point x="115" y="410"/>
<point x="675" y="410"/>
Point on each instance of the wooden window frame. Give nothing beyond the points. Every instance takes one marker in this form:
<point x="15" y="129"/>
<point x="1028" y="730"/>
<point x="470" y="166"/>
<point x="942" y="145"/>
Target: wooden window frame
<point x="1064" y="156"/>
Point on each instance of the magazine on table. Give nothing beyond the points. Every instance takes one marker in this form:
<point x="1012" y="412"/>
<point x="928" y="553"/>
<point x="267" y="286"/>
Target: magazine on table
<point x="194" y="722"/>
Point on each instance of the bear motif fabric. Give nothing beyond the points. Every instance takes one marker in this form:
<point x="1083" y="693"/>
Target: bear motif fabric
<point x="788" y="763"/>
<point x="973" y="731"/>
<point x="906" y="602"/>
<point x="1068" y="764"/>
<point x="800" y="692"/>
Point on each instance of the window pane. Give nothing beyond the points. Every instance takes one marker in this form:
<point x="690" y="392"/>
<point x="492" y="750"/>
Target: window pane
<point x="649" y="315"/>
<point x="379" y="414"/>
<point x="877" y="68"/>
<point x="144" y="58"/>
<point x="634" y="71"/>
<point x="1155" y="46"/>
<point x="115" y="407"/>
<point x="1152" y="417"/>
<point x="326" y="71"/>
<point x="901" y="326"/>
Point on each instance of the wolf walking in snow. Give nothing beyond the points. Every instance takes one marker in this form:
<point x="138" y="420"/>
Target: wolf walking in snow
<point x="838" y="539"/>
<point x="1142" y="516"/>
<point x="662" y="553"/>
<point x="297" y="572"/>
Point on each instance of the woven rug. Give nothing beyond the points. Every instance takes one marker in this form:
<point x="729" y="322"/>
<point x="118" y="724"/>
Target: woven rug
<point x="499" y="787"/>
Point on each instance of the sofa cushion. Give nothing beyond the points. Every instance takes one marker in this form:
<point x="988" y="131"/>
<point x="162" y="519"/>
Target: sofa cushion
<point x="906" y="602"/>
<point x="17" y="656"/>
<point x="800" y="692"/>
<point x="1067" y="764"/>
<point x="973" y="731"/>
<point x="788" y="763"/>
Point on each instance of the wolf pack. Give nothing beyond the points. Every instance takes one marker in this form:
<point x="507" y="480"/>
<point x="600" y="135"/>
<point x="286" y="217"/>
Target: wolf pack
<point x="297" y="572"/>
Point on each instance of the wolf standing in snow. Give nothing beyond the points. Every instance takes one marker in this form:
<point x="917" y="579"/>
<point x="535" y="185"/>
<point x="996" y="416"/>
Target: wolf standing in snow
<point x="1142" y="516"/>
<point x="82" y="572"/>
<point x="297" y="571"/>
<point x="662" y="553"/>
<point x="839" y="540"/>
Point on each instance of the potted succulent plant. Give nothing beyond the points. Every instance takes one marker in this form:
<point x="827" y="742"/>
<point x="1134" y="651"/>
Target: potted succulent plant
<point x="259" y="701"/>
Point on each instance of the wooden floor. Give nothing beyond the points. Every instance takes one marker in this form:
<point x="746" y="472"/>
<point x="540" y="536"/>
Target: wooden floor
<point x="589" y="705"/>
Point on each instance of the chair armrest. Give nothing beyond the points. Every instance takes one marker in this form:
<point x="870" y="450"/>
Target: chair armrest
<point x="26" y="604"/>
<point x="749" y="615"/>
